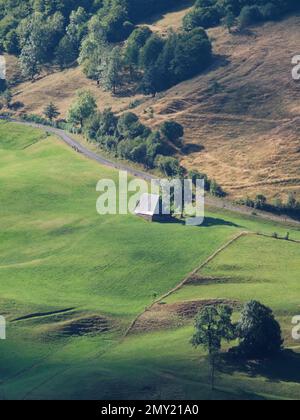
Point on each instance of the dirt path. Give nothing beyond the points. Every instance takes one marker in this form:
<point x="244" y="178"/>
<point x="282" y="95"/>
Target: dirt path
<point x="209" y="200"/>
<point x="183" y="282"/>
<point x="200" y="267"/>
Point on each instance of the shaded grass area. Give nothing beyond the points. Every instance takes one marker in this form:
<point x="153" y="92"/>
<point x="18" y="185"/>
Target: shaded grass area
<point x="160" y="365"/>
<point x="56" y="254"/>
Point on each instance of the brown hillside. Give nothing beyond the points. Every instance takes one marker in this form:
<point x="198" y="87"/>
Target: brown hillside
<point x="60" y="88"/>
<point x="245" y="112"/>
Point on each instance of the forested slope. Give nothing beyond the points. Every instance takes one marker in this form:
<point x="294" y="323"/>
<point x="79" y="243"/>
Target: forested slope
<point x="239" y="128"/>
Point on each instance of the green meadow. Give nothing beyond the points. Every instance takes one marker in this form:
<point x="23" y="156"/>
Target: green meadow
<point x="72" y="282"/>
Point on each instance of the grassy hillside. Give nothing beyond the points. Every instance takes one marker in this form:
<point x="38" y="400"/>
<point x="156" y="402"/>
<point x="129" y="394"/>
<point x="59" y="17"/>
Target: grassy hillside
<point x="257" y="271"/>
<point x="72" y="281"/>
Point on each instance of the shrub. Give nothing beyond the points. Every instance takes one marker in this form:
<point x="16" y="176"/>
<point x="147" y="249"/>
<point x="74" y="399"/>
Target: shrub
<point x="269" y="11"/>
<point x="130" y="127"/>
<point x="195" y="175"/>
<point x="205" y="17"/>
<point x="168" y="165"/>
<point x="248" y="16"/>
<point x="216" y="189"/>
<point x="173" y="131"/>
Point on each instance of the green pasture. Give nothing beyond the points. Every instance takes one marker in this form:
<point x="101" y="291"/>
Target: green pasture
<point x="63" y="267"/>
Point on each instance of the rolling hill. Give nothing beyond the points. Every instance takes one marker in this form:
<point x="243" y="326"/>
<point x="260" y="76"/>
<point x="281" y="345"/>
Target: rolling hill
<point x="102" y="307"/>
<point x="72" y="282"/>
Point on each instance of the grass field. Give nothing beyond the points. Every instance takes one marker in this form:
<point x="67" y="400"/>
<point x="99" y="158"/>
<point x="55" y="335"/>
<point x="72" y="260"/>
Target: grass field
<point x="72" y="281"/>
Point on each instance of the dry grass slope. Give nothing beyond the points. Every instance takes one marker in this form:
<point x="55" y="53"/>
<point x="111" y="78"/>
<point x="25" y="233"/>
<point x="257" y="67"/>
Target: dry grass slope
<point x="245" y="111"/>
<point x="60" y="88"/>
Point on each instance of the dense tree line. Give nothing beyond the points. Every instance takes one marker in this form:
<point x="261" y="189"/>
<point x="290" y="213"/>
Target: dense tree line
<point x="58" y="31"/>
<point x="45" y="32"/>
<point x="117" y="17"/>
<point x="154" y="63"/>
<point x="126" y="137"/>
<point x="290" y="207"/>
<point x="208" y="13"/>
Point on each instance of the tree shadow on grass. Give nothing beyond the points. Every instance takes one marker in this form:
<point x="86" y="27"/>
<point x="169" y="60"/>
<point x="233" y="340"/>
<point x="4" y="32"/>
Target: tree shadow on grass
<point x="212" y="221"/>
<point x="208" y="222"/>
<point x="170" y="221"/>
<point x="191" y="148"/>
<point x="282" y="368"/>
<point x="160" y="15"/>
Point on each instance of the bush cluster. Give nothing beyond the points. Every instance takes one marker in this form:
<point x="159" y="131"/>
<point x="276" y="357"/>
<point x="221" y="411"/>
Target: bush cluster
<point x="290" y="207"/>
<point x="243" y="13"/>
<point x="127" y="138"/>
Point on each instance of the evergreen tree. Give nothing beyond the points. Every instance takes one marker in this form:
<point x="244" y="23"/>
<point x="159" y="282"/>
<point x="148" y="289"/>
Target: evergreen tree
<point x="112" y="75"/>
<point x="149" y="81"/>
<point x="29" y="63"/>
<point x="135" y="43"/>
<point x="65" y="53"/>
<point x="51" y="111"/>
<point x="229" y="21"/>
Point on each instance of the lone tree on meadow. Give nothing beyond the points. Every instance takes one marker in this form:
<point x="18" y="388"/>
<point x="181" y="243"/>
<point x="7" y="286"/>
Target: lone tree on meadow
<point x="259" y="332"/>
<point x="51" y="111"/>
<point x="213" y="324"/>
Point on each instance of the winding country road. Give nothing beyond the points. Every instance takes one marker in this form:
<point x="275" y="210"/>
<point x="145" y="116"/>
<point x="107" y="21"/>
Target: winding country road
<point x="209" y="200"/>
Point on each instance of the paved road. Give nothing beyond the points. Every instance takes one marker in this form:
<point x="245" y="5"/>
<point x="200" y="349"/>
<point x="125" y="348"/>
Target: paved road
<point x="209" y="200"/>
<point x="70" y="141"/>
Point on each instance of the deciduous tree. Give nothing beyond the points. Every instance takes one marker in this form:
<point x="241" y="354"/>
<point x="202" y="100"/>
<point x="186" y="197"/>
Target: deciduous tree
<point x="258" y="331"/>
<point x="83" y="107"/>
<point x="213" y="324"/>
